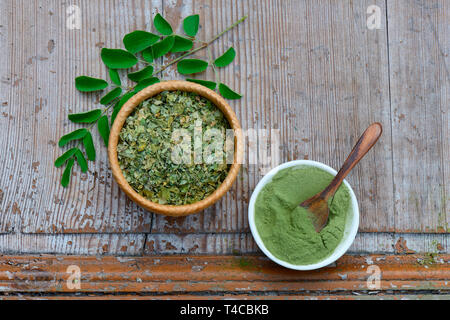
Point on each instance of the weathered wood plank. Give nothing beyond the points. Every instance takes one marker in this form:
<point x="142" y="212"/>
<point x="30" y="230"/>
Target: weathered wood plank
<point x="202" y="243"/>
<point x="9" y="213"/>
<point x="72" y="244"/>
<point x="419" y="47"/>
<point x="400" y="243"/>
<point x="219" y="274"/>
<point x="320" y="83"/>
<point x="220" y="296"/>
<point x="45" y="57"/>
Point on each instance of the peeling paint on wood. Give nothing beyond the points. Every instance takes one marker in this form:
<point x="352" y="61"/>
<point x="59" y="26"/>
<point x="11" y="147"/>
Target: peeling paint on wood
<point x="220" y="274"/>
<point x="326" y="63"/>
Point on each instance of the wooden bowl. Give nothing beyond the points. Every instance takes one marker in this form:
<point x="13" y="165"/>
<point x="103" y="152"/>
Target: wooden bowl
<point x="128" y="107"/>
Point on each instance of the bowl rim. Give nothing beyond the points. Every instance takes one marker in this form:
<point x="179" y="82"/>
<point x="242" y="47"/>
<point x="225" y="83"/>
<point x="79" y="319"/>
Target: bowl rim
<point x="348" y="237"/>
<point x="132" y="103"/>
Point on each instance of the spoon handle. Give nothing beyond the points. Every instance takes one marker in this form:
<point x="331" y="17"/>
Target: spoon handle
<point x="364" y="144"/>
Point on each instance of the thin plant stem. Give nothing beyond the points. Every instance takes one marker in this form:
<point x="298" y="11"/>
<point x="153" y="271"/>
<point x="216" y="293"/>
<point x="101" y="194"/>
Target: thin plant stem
<point x="203" y="46"/>
<point x="211" y="62"/>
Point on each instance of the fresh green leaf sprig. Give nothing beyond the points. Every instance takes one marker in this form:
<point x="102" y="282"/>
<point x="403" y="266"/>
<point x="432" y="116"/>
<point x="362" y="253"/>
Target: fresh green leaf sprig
<point x="141" y="47"/>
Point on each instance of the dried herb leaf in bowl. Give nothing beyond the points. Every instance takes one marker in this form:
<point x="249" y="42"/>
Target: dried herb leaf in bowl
<point x="172" y="148"/>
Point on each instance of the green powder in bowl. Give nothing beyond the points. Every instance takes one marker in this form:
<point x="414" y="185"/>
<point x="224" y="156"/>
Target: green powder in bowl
<point x="286" y="229"/>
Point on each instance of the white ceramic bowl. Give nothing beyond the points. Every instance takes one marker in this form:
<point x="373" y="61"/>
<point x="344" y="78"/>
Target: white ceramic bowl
<point x="351" y="227"/>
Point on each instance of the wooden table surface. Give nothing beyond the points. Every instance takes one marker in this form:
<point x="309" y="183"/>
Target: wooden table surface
<point x="312" y="70"/>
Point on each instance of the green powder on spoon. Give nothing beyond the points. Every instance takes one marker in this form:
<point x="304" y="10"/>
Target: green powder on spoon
<point x="286" y="229"/>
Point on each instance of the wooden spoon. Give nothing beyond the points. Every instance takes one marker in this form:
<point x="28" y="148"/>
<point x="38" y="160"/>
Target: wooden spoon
<point x="318" y="204"/>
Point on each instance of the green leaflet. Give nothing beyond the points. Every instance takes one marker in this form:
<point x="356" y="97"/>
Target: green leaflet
<point x="147" y="54"/>
<point x="142" y="74"/>
<point x="162" y="47"/>
<point x="103" y="129"/>
<point x="81" y="160"/>
<point x="85" y="117"/>
<point x="139" y="40"/>
<point x="145" y="83"/>
<point x="190" y="25"/>
<point x="188" y="66"/>
<point x="209" y="84"/>
<point x="110" y="96"/>
<point x="64" y="157"/>
<point x="118" y="58"/>
<point x="67" y="173"/>
<point x="74" y="135"/>
<point x="227" y="93"/>
<point x="88" y="84"/>
<point x="181" y="44"/>
<point x="119" y="105"/>
<point x="226" y="58"/>
<point x="162" y="26"/>
<point x="114" y="76"/>
<point x="89" y="146"/>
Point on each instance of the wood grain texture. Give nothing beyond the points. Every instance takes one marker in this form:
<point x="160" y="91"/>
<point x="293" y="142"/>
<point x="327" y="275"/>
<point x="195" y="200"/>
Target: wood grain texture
<point x="45" y="58"/>
<point x="310" y="69"/>
<point x="152" y="91"/>
<point x="320" y="80"/>
<point x="243" y="243"/>
<point x="419" y="47"/>
<point x="9" y="213"/>
<point x="73" y="244"/>
<point x="217" y="275"/>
